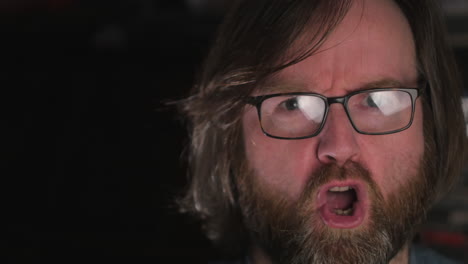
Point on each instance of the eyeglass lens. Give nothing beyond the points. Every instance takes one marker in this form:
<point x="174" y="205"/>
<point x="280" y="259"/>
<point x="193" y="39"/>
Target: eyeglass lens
<point x="373" y="112"/>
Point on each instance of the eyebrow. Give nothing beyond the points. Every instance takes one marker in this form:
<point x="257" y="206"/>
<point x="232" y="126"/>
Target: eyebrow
<point x="275" y="86"/>
<point x="384" y="83"/>
<point x="282" y="88"/>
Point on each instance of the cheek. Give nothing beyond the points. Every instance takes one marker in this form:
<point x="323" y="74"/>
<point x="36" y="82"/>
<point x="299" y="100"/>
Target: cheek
<point x="393" y="159"/>
<point x="279" y="164"/>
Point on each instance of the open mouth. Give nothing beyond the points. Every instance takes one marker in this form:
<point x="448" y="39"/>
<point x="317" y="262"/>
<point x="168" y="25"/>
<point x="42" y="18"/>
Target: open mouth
<point x="340" y="200"/>
<point x="342" y="204"/>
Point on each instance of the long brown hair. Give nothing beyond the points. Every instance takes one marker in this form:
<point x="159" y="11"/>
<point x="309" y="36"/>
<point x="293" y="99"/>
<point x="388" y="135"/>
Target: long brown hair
<point x="250" y="47"/>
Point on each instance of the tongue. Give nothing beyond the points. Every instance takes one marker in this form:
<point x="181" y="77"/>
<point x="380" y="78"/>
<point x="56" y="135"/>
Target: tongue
<point x="340" y="200"/>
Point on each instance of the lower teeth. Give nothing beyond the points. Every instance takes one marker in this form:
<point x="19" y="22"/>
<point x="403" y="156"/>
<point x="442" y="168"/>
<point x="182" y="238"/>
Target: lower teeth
<point x="348" y="211"/>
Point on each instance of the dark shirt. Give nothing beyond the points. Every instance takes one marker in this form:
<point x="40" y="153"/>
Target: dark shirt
<point x="422" y="255"/>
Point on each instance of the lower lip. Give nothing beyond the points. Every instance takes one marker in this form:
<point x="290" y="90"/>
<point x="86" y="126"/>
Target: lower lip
<point x="343" y="221"/>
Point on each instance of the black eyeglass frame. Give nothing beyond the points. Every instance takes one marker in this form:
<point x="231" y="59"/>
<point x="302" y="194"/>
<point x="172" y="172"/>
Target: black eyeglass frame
<point x="413" y="92"/>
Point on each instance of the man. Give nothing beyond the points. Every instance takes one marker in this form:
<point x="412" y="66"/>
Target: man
<point x="322" y="131"/>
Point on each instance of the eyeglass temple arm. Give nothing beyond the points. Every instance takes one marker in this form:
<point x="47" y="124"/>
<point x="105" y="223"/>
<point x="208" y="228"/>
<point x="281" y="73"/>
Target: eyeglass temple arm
<point x="253" y="100"/>
<point x="423" y="85"/>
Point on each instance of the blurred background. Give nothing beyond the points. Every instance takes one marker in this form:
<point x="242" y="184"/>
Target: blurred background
<point x="92" y="158"/>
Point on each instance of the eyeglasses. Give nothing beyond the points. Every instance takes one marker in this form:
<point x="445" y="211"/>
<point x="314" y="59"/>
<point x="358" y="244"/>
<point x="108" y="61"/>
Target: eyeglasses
<point x="300" y="115"/>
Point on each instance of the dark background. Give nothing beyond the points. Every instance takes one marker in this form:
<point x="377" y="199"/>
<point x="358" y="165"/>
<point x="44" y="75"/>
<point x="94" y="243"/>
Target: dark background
<point x="92" y="155"/>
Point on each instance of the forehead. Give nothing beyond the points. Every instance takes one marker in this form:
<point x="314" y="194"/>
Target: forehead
<point x="373" y="44"/>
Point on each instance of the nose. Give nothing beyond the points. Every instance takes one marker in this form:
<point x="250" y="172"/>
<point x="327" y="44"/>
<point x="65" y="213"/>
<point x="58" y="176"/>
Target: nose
<point x="337" y="141"/>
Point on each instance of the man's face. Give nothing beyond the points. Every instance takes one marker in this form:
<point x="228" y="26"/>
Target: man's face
<point x="372" y="48"/>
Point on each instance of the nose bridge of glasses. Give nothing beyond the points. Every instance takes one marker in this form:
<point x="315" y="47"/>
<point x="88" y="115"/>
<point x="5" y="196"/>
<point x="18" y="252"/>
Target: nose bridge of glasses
<point x="336" y="100"/>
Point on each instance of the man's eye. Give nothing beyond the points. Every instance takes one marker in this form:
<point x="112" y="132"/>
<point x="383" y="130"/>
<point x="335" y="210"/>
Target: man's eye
<point x="290" y="104"/>
<point x="369" y="101"/>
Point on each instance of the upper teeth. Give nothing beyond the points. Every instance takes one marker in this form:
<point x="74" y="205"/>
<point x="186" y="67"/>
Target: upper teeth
<point x="340" y="189"/>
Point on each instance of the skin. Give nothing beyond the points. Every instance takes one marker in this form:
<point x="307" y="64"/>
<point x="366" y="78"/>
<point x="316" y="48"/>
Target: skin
<point x="373" y="47"/>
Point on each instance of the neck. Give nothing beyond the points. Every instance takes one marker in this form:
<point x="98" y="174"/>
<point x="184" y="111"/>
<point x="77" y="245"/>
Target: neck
<point x="258" y="256"/>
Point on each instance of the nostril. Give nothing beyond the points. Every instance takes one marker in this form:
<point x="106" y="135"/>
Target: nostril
<point x="339" y="154"/>
<point x="330" y="158"/>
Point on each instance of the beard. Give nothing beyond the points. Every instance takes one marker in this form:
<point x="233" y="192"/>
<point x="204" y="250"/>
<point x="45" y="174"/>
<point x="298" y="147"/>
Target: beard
<point x="293" y="231"/>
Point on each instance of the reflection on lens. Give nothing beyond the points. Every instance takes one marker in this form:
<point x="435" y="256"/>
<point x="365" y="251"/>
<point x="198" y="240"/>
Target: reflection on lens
<point x="313" y="107"/>
<point x="391" y="102"/>
<point x="292" y="116"/>
<point x="381" y="111"/>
